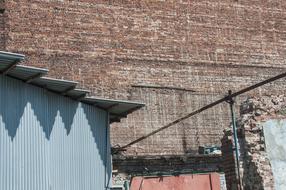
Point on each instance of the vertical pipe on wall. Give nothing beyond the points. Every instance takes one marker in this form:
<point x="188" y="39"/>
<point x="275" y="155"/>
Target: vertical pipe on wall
<point x="107" y="153"/>
<point x="234" y="128"/>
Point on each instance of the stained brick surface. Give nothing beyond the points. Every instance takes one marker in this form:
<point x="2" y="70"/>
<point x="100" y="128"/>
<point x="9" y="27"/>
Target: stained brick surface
<point x="208" y="46"/>
<point x="228" y="161"/>
<point x="255" y="168"/>
<point x="2" y="25"/>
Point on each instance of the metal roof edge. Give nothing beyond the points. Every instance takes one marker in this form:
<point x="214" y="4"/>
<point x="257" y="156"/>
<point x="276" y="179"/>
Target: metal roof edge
<point x="58" y="80"/>
<point x="43" y="70"/>
<point x="115" y="116"/>
<point x="117" y="108"/>
<point x="10" y="55"/>
<point x="114" y="101"/>
<point x="81" y="90"/>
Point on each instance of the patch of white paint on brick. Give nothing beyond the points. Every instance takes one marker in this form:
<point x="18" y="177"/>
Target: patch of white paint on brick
<point x="275" y="139"/>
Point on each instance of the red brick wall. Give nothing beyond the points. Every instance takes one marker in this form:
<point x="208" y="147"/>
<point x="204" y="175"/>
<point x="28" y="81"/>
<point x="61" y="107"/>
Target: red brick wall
<point x="2" y="25"/>
<point x="228" y="162"/>
<point x="160" y="165"/>
<point x="108" y="46"/>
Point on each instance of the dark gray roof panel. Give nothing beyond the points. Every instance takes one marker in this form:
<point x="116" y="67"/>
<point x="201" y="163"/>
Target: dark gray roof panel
<point x="55" y="85"/>
<point x="26" y="73"/>
<point x="7" y="60"/>
<point x="117" y="109"/>
<point x="77" y="93"/>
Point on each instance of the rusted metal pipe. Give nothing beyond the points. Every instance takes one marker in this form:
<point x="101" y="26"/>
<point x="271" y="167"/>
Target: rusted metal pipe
<point x="230" y="96"/>
<point x="234" y="128"/>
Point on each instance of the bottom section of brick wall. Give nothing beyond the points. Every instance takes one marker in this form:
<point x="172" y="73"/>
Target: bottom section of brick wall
<point x="127" y="166"/>
<point x="167" y="164"/>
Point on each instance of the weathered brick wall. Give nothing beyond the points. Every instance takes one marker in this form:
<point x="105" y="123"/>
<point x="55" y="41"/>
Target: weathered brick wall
<point x="167" y="164"/>
<point x="228" y="161"/>
<point x="108" y="46"/>
<point x="126" y="167"/>
<point x="255" y="167"/>
<point x="2" y="25"/>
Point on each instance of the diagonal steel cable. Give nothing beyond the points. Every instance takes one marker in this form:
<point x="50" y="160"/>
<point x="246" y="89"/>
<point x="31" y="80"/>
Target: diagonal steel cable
<point x="229" y="97"/>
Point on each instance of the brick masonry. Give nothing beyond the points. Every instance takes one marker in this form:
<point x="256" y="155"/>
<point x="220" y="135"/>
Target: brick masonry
<point x="126" y="167"/>
<point x="228" y="161"/>
<point x="2" y="25"/>
<point x="167" y="164"/>
<point x="109" y="46"/>
<point x="255" y="167"/>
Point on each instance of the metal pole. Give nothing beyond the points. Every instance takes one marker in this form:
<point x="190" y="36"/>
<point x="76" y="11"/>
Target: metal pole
<point x="231" y="103"/>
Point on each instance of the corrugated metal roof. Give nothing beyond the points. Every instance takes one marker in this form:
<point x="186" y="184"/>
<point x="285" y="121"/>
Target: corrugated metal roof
<point x="117" y="109"/>
<point x="26" y="73"/>
<point x="77" y="93"/>
<point x="9" y="60"/>
<point x="8" y="66"/>
<point x="55" y="85"/>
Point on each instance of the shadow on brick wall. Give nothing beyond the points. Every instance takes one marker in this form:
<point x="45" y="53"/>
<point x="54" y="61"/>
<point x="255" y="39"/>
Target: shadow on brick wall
<point x="251" y="179"/>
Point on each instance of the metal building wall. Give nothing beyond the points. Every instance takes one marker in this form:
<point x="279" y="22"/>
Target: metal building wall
<point x="49" y="142"/>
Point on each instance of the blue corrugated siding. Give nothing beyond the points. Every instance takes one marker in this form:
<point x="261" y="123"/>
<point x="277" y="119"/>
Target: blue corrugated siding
<point x="49" y="142"/>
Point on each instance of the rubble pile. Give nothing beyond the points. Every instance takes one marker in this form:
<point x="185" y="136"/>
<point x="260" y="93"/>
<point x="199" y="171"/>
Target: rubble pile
<point x="255" y="167"/>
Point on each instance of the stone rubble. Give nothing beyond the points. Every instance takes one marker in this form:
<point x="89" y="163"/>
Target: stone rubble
<point x="255" y="168"/>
